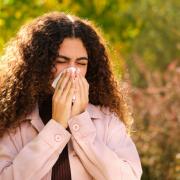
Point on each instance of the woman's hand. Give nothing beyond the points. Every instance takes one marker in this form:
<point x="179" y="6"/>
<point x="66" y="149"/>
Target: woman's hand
<point x="82" y="95"/>
<point x="62" y="99"/>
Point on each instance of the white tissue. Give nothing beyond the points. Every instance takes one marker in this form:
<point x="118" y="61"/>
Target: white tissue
<point x="72" y="69"/>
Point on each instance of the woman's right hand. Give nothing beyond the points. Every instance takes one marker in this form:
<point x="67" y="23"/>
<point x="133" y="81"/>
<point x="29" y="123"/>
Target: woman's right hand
<point x="62" y="99"/>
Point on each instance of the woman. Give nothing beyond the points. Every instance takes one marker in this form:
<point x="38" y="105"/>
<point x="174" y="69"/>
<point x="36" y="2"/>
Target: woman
<point x="43" y="134"/>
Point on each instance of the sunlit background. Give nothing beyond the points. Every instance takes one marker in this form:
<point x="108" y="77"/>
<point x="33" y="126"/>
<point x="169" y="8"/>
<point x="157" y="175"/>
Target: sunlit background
<point x="143" y="37"/>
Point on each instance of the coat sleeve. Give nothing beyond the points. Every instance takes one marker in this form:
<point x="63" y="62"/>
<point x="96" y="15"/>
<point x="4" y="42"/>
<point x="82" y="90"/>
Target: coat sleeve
<point x="36" y="158"/>
<point x="117" y="159"/>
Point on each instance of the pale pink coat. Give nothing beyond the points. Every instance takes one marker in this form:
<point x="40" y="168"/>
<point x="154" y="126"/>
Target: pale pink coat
<point x="98" y="145"/>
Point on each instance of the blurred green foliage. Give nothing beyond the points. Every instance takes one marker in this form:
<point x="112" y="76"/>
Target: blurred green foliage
<point x="147" y="29"/>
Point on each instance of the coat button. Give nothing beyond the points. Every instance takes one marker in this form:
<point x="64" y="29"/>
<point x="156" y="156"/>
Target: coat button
<point x="75" y="127"/>
<point x="58" y="137"/>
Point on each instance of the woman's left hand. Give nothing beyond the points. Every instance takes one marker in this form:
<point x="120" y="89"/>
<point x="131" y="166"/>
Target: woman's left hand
<point x="82" y="95"/>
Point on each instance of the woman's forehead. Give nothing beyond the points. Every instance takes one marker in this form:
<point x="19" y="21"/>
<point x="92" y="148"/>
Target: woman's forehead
<point x="72" y="48"/>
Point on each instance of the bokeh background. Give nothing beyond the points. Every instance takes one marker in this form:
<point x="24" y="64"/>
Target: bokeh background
<point x="143" y="37"/>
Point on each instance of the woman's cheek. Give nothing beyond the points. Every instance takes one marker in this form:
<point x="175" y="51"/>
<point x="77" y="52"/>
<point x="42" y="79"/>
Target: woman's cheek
<point x="59" y="68"/>
<point x="83" y="70"/>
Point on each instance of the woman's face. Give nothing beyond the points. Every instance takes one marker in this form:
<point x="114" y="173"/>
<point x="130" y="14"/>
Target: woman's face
<point x="72" y="53"/>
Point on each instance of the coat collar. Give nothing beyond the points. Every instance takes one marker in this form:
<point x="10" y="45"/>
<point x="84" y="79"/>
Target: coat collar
<point x="37" y="122"/>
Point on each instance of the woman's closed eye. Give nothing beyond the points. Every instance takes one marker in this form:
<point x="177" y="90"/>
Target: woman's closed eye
<point x="82" y="62"/>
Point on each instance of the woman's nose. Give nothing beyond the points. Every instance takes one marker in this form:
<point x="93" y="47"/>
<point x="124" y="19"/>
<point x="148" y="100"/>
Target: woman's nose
<point x="72" y="64"/>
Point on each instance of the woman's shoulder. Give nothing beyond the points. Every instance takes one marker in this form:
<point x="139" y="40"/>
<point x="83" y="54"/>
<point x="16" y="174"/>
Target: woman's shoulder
<point x="98" y="111"/>
<point x="19" y="135"/>
<point x="107" y="123"/>
<point x="102" y="112"/>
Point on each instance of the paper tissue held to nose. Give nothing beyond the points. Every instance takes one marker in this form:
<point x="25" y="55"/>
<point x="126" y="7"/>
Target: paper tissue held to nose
<point x="72" y="69"/>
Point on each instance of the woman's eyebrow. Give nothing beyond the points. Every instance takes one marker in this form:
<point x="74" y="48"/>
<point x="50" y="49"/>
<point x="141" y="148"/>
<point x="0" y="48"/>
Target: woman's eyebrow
<point x="68" y="58"/>
<point x="82" y="58"/>
<point x="64" y="57"/>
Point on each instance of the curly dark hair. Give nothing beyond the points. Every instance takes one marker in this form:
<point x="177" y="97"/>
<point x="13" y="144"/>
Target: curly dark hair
<point x="29" y="58"/>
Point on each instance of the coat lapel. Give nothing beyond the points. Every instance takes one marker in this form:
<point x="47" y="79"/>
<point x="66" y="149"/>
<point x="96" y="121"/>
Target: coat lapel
<point x="37" y="122"/>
